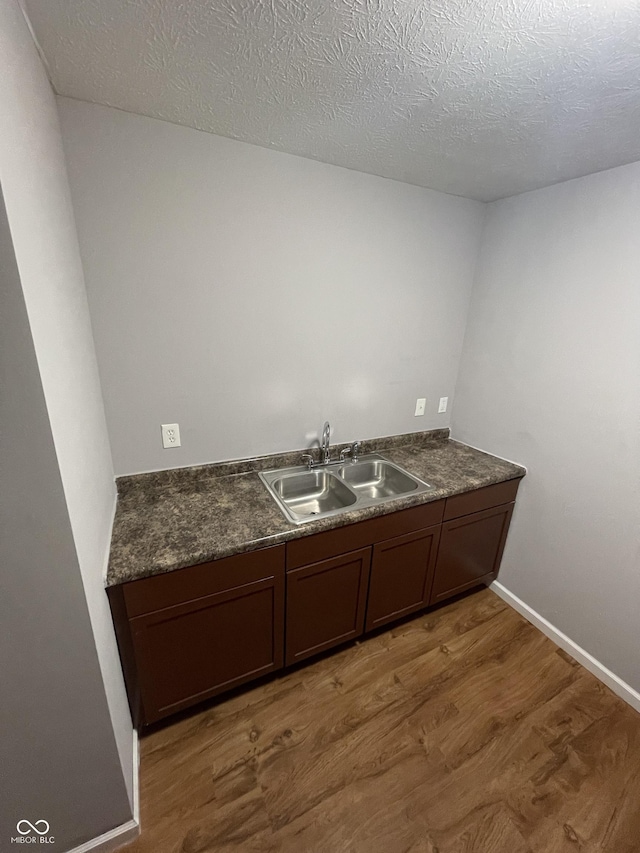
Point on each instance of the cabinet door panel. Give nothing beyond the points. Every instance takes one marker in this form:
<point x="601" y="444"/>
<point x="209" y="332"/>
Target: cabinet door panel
<point x="195" y="650"/>
<point x="401" y="576"/>
<point x="470" y="551"/>
<point x="325" y="604"/>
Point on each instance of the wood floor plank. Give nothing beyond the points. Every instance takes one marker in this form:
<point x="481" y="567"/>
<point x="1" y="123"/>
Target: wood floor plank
<point x="464" y="730"/>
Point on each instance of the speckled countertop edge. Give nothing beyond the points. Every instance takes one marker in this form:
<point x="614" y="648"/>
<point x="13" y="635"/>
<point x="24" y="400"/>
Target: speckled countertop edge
<point x="172" y="519"/>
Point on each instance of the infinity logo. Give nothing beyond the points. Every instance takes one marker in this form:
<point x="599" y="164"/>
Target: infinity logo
<point x="32" y="827"/>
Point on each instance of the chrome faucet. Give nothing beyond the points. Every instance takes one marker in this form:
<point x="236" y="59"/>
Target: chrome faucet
<point x="352" y="451"/>
<point x="325" y="452"/>
<point x="326" y="435"/>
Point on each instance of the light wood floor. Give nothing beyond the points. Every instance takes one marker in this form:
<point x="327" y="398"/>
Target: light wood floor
<point x="462" y="731"/>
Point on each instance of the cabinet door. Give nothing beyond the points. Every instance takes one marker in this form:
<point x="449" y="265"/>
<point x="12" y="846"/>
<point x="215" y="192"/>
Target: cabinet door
<point x="325" y="604"/>
<point x="401" y="576"/>
<point x="470" y="551"/>
<point x="191" y="651"/>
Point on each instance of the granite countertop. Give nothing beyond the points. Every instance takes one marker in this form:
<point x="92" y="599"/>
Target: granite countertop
<point x="172" y="519"/>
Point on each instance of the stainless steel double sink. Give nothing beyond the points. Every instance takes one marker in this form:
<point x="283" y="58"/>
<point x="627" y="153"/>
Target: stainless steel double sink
<point x="306" y="495"/>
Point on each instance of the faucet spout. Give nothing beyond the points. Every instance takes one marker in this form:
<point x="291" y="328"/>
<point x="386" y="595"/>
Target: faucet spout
<point x="326" y="436"/>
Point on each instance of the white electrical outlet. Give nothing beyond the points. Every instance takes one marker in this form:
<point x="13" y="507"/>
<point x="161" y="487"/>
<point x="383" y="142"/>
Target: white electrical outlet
<point x="421" y="402"/>
<point x="444" y="401"/>
<point x="171" y="435"/>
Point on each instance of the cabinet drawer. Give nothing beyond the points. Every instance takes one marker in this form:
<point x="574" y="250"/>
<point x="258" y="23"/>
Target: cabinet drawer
<point x="479" y="499"/>
<point x="300" y="552"/>
<point x="155" y="593"/>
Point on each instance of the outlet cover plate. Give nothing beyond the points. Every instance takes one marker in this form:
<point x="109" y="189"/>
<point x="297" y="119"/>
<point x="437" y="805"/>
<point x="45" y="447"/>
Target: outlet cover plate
<point x="170" y="435"/>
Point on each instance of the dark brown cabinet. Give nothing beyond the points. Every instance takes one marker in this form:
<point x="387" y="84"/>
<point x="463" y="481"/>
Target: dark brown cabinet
<point x="401" y="576"/>
<point x="202" y="630"/>
<point x="188" y="635"/>
<point x="351" y="537"/>
<point x="328" y="576"/>
<point x="326" y="604"/>
<point x="472" y="539"/>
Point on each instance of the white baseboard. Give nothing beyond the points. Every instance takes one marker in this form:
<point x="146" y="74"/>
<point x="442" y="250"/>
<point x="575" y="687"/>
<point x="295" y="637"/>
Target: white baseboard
<point x="112" y="840"/>
<point x="126" y="832"/>
<point x="136" y="777"/>
<point x="619" y="687"/>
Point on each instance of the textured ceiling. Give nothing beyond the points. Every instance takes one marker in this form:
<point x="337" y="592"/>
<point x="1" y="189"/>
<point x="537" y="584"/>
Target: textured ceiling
<point x="479" y="98"/>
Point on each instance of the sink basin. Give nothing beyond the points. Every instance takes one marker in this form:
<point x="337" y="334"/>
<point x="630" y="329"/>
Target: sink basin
<point x="377" y="478"/>
<point x="312" y="493"/>
<point x="305" y="495"/>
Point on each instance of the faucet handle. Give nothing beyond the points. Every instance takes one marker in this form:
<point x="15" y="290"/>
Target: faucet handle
<point x="344" y="452"/>
<point x="309" y="460"/>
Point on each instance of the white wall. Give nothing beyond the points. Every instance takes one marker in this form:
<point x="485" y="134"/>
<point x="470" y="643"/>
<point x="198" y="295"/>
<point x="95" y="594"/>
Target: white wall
<point x="550" y="377"/>
<point x="57" y="750"/>
<point x="249" y="294"/>
<point x="36" y="191"/>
